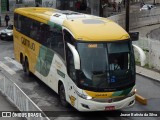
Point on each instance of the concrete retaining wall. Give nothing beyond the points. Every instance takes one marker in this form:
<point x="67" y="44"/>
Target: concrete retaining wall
<point x="139" y="18"/>
<point x="152" y="51"/>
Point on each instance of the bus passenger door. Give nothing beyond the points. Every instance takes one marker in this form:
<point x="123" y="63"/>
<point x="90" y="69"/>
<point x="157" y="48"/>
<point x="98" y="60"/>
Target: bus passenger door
<point x="72" y="88"/>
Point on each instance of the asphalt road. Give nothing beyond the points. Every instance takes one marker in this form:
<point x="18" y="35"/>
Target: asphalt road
<point x="48" y="100"/>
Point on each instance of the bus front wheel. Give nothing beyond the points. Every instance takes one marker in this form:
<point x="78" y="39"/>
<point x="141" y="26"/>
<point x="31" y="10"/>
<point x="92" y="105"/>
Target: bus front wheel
<point x="62" y="96"/>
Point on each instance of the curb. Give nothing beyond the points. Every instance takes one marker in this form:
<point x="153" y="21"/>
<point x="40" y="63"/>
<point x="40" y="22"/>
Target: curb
<point x="141" y="99"/>
<point x="151" y="75"/>
<point x="148" y="77"/>
<point x="143" y="72"/>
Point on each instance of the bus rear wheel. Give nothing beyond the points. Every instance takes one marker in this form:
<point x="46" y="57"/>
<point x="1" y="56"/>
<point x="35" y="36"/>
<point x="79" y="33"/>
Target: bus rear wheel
<point x="62" y="96"/>
<point x="26" y="68"/>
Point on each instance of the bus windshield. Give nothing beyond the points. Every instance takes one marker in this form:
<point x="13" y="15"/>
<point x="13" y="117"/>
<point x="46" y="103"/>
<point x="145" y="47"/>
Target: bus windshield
<point x="106" y="66"/>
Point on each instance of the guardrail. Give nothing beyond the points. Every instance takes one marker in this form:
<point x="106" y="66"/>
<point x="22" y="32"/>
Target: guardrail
<point x="19" y="98"/>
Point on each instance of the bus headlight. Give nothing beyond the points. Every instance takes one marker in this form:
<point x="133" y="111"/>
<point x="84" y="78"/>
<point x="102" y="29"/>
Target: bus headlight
<point x="132" y="93"/>
<point x="83" y="96"/>
<point x="135" y="91"/>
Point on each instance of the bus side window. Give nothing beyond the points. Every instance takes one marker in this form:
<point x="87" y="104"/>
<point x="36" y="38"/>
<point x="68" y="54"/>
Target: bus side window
<point x="43" y="33"/>
<point x="16" y="21"/>
<point x="70" y="65"/>
<point x="68" y="38"/>
<point x="55" y="40"/>
<point x="50" y="40"/>
<point x="33" y="32"/>
<point x="19" y="25"/>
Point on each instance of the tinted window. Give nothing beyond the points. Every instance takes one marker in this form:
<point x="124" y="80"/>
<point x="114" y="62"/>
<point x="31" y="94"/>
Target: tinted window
<point x="50" y="36"/>
<point x="16" y="20"/>
<point x="118" y="48"/>
<point x="55" y="40"/>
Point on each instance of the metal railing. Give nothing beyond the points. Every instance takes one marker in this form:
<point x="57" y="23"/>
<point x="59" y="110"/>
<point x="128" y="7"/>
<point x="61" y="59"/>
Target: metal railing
<point x="19" y="98"/>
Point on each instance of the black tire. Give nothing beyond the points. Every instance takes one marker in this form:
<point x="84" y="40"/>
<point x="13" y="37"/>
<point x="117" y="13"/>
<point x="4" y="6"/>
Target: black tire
<point x="23" y="65"/>
<point x="26" y="68"/>
<point x="62" y="96"/>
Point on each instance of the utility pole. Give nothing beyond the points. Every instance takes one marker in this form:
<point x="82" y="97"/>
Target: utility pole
<point x="127" y="14"/>
<point x="133" y="35"/>
<point x="100" y="8"/>
<point x="0" y="12"/>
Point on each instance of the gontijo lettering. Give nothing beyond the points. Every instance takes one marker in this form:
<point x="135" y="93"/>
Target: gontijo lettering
<point x="28" y="43"/>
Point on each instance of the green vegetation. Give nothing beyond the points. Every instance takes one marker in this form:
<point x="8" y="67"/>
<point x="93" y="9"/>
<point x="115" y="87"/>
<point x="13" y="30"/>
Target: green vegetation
<point x="146" y="65"/>
<point x="145" y="50"/>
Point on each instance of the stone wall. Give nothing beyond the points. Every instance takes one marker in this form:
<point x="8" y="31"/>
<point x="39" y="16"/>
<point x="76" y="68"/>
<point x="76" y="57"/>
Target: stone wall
<point x="139" y="18"/>
<point x="152" y="50"/>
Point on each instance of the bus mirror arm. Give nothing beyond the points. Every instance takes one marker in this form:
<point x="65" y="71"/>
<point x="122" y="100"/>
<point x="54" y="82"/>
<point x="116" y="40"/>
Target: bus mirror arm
<point x="142" y="54"/>
<point x="75" y="56"/>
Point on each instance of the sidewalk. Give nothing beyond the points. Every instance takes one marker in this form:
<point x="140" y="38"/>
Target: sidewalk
<point x="148" y="73"/>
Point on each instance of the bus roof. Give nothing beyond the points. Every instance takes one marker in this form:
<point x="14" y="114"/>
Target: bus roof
<point x="83" y="27"/>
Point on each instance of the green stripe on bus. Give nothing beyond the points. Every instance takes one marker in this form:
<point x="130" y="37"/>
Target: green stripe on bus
<point x="44" y="61"/>
<point x="122" y="92"/>
<point x="127" y="91"/>
<point x="60" y="73"/>
<point x="117" y="93"/>
<point x="54" y="25"/>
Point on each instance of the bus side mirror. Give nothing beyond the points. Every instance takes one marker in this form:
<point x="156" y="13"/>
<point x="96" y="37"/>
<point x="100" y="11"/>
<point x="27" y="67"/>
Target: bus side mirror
<point x="141" y="53"/>
<point x="134" y="36"/>
<point x="75" y="56"/>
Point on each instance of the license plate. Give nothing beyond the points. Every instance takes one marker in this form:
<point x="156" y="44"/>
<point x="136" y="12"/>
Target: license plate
<point x="110" y="108"/>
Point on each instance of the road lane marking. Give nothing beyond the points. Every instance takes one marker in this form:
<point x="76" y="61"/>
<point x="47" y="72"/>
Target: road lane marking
<point x="18" y="65"/>
<point x="6" y="68"/>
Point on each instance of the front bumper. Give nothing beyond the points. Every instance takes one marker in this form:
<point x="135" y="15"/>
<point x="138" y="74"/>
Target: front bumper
<point x="6" y="37"/>
<point x="89" y="105"/>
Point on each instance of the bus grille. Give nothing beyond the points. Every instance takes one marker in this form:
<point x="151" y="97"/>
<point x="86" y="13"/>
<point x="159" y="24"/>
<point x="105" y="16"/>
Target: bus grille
<point x="109" y="100"/>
